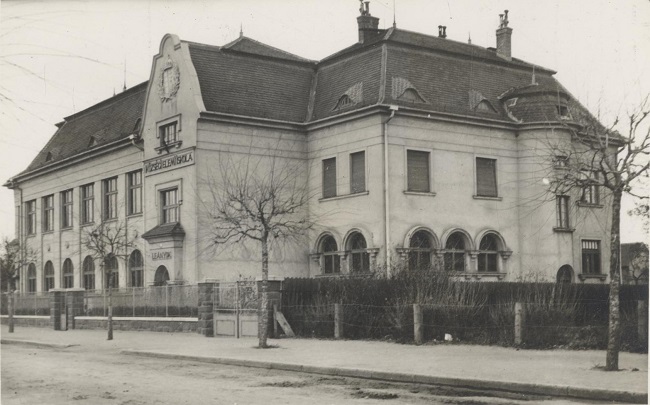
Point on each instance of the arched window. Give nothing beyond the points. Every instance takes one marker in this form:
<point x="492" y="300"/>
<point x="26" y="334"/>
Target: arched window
<point x="68" y="274"/>
<point x="112" y="272"/>
<point x="359" y="257"/>
<point x="161" y="277"/>
<point x="487" y="256"/>
<point x="565" y="275"/>
<point x="49" y="276"/>
<point x="89" y="273"/>
<point x="135" y="268"/>
<point x="420" y="248"/>
<point x="31" y="278"/>
<point x="331" y="260"/>
<point x="455" y="252"/>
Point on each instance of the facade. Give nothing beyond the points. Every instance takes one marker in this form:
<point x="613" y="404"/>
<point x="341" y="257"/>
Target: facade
<point x="415" y="150"/>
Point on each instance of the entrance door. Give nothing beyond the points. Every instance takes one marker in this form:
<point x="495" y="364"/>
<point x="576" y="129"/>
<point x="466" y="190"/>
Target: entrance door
<point x="565" y="275"/>
<point x="161" y="277"/>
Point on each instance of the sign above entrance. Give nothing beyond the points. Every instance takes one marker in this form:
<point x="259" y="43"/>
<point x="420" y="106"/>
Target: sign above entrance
<point x="164" y="255"/>
<point x="172" y="161"/>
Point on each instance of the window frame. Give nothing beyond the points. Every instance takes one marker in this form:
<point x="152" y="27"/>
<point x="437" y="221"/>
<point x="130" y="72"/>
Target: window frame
<point x="452" y="256"/>
<point x="363" y="172"/>
<point x="67" y="277"/>
<point x="139" y="277"/>
<point x="329" y="188"/>
<point x="48" y="279"/>
<point x="87" y="203"/>
<point x="562" y="212"/>
<point x="429" y="180"/>
<point x="134" y="192"/>
<point x="30" y="217"/>
<point x="495" y="175"/>
<point x="67" y="208"/>
<point x="109" y="199"/>
<point x="48" y="213"/>
<point x="420" y="257"/>
<point x="161" y="126"/>
<point x="358" y="255"/>
<point x="331" y="256"/>
<point x="165" y="208"/>
<point x="488" y="260"/>
<point x="590" y="193"/>
<point x="88" y="273"/>
<point x="31" y="278"/>
<point x="591" y="258"/>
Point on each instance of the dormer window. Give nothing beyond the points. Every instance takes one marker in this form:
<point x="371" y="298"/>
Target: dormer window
<point x="344" y="101"/>
<point x="352" y="96"/>
<point x="485" y="106"/>
<point x="563" y="112"/>
<point x="411" y="95"/>
<point x="92" y="142"/>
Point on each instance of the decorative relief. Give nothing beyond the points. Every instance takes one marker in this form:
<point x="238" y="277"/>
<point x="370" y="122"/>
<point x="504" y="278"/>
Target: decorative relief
<point x="169" y="81"/>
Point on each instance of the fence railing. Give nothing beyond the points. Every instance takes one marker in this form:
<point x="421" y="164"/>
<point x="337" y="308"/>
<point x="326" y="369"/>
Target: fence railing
<point x="37" y="303"/>
<point x="163" y="301"/>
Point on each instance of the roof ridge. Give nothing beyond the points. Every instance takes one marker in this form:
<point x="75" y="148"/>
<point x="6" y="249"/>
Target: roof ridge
<point x="242" y="38"/>
<point x="106" y="102"/>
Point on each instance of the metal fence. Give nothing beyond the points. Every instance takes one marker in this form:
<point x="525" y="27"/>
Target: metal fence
<point x="163" y="301"/>
<point x="37" y="303"/>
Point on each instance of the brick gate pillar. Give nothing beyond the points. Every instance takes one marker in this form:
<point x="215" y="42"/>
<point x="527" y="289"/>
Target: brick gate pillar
<point x="74" y="301"/>
<point x="57" y="307"/>
<point x="274" y="290"/>
<point x="206" y="310"/>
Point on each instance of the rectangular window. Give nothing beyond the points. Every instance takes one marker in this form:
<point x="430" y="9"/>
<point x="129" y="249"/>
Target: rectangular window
<point x="110" y="198"/>
<point x="357" y="172"/>
<point x="329" y="177"/>
<point x="170" y="207"/>
<point x="66" y="209"/>
<point x="87" y="203"/>
<point x="560" y="161"/>
<point x="562" y="211"/>
<point x="590" y="192"/>
<point x="48" y="213"/>
<point x="135" y="192"/>
<point x="417" y="171"/>
<point x="168" y="134"/>
<point x="591" y="257"/>
<point x="486" y="177"/>
<point x="30" y="218"/>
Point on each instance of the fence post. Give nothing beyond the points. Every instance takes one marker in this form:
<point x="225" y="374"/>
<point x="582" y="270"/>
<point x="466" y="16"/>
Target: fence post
<point x="75" y="304"/>
<point x="57" y="303"/>
<point x="338" y="321"/>
<point x="417" y="324"/>
<point x="519" y="322"/>
<point x="642" y="320"/>
<point x="206" y="310"/>
<point x="11" y="308"/>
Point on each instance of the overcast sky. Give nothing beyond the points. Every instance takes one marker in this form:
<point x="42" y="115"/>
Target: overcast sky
<point x="59" y="57"/>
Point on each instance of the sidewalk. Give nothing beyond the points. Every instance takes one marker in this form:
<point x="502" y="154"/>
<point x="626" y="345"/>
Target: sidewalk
<point x="550" y="372"/>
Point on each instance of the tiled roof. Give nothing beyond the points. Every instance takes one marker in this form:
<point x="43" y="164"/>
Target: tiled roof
<point x="247" y="45"/>
<point x="252" y="85"/>
<point x="105" y="122"/>
<point x="171" y="229"/>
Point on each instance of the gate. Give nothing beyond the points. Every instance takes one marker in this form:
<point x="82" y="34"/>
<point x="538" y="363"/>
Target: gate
<point x="235" y="309"/>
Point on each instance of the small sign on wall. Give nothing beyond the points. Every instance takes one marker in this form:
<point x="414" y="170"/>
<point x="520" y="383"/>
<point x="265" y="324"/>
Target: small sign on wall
<point x="164" y="255"/>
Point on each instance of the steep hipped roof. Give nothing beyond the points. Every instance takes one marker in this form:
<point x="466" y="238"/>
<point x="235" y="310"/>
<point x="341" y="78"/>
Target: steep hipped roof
<point x="108" y="121"/>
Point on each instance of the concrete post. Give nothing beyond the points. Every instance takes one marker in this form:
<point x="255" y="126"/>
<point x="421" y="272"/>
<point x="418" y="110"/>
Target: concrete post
<point x="57" y="306"/>
<point x="417" y="324"/>
<point x="74" y="302"/>
<point x="207" y="291"/>
<point x="338" y="321"/>
<point x="519" y="322"/>
<point x="642" y="320"/>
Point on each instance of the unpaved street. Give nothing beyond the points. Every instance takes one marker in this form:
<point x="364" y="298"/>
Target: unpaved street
<point x="78" y="375"/>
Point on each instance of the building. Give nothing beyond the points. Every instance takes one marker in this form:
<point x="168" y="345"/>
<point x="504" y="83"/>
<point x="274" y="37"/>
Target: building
<point x="417" y="150"/>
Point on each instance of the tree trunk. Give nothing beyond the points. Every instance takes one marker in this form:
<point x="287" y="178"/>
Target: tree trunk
<point x="11" y="310"/>
<point x="614" y="331"/>
<point x="110" y="306"/>
<point x="263" y="317"/>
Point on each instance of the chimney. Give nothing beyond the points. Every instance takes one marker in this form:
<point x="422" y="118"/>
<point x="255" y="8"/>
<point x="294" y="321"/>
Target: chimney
<point x="504" y="37"/>
<point x="368" y="25"/>
<point x="442" y="31"/>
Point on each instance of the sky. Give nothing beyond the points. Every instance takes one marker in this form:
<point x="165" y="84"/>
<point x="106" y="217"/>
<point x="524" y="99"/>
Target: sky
<point x="60" y="57"/>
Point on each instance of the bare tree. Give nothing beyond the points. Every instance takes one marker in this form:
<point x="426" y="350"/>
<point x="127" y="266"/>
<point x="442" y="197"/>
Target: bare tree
<point x="14" y="257"/>
<point x="596" y="158"/>
<point x="260" y="200"/>
<point x="108" y="241"/>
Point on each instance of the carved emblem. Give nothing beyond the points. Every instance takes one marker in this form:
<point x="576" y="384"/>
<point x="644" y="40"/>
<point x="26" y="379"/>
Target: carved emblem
<point x="170" y="80"/>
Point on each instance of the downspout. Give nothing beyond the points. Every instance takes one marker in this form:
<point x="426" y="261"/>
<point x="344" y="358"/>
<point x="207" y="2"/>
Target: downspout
<point x="393" y="110"/>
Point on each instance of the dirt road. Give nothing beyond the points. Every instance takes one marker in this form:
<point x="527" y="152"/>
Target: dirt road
<point x="79" y="375"/>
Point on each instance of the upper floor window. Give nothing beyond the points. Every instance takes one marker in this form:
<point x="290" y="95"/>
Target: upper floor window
<point x="357" y="172"/>
<point x="66" y="209"/>
<point x="169" y="134"/>
<point x="30" y="218"/>
<point x="110" y="198"/>
<point x="169" y="206"/>
<point x="562" y="212"/>
<point x="560" y="161"/>
<point x="135" y="192"/>
<point x="590" y="192"/>
<point x="486" y="177"/>
<point x="48" y="213"/>
<point x="417" y="171"/>
<point x="591" y="257"/>
<point x="329" y="177"/>
<point x="87" y="203"/>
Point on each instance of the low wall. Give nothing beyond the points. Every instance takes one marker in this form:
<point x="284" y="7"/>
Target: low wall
<point x="138" y="323"/>
<point x="28" y="320"/>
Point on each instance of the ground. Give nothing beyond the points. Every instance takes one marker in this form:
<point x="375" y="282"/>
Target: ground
<point x="87" y="375"/>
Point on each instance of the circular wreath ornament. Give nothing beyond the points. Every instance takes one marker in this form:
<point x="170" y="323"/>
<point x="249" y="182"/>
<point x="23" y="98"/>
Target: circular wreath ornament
<point x="169" y="81"/>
